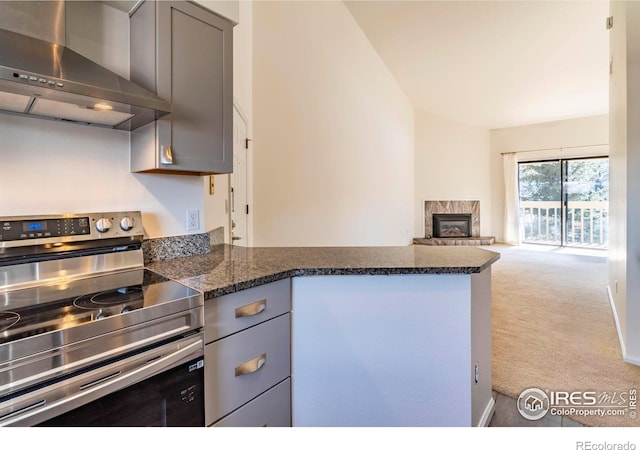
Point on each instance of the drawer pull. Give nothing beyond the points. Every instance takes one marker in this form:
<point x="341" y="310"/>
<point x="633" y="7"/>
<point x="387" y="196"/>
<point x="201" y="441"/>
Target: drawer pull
<point x="251" y="366"/>
<point x="252" y="309"/>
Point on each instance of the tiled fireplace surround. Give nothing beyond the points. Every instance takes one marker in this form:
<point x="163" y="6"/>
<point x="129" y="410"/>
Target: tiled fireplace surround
<point x="472" y="207"/>
<point x="452" y="207"/>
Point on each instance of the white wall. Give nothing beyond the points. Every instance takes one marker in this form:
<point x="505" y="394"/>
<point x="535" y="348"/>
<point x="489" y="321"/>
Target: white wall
<point x="624" y="264"/>
<point x="243" y="60"/>
<point x="333" y="132"/>
<point x="226" y="8"/>
<point x="52" y="167"/>
<point x="451" y="163"/>
<point x="216" y="205"/>
<point x="618" y="171"/>
<point x="243" y="93"/>
<point x="632" y="167"/>
<point x="589" y="133"/>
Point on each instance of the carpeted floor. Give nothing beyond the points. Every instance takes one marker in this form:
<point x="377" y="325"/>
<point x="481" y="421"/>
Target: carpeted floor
<point x="553" y="328"/>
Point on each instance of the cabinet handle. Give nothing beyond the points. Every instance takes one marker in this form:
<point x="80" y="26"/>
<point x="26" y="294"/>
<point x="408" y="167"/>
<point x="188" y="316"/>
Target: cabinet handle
<point x="166" y="156"/>
<point x="251" y="366"/>
<point x="251" y="309"/>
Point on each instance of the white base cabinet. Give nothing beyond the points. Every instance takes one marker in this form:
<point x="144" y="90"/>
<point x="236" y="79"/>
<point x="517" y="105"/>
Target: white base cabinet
<point x="396" y="350"/>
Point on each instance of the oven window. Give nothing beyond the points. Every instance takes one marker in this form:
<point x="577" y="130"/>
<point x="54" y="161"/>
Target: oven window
<point x="174" y="398"/>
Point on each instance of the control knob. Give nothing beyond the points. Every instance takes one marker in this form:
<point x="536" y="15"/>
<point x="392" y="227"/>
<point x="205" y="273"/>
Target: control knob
<point x="103" y="225"/>
<point x="127" y="223"/>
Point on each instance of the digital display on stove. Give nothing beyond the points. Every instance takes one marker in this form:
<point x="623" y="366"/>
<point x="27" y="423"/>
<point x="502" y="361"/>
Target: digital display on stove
<point x="14" y="230"/>
<point x="34" y="226"/>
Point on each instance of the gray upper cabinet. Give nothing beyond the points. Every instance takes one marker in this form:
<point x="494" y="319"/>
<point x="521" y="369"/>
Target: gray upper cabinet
<point x="183" y="53"/>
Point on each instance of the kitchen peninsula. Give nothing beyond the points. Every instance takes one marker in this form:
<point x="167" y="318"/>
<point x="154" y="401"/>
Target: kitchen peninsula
<point x="380" y="336"/>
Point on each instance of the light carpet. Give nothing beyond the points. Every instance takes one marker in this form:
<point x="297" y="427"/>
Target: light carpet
<point x="553" y="328"/>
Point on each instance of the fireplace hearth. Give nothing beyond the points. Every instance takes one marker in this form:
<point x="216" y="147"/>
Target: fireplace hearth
<point x="451" y="225"/>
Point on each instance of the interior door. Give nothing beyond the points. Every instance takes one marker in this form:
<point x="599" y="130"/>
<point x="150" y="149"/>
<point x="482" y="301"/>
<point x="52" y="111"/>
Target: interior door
<point x="238" y="182"/>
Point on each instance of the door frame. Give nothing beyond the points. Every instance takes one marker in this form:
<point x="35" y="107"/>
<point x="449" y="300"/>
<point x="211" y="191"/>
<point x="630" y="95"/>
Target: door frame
<point x="249" y="198"/>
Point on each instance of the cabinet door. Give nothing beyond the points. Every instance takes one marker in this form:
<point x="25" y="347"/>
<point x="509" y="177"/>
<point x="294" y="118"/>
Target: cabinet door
<point x="234" y="312"/>
<point x="271" y="409"/>
<point x="242" y="366"/>
<point x="194" y="71"/>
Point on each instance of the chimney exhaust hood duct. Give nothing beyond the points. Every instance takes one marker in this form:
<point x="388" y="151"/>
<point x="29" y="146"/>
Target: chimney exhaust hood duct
<point x="40" y="77"/>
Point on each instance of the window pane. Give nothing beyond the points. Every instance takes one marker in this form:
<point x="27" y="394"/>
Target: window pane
<point x="540" y="207"/>
<point x="540" y="181"/>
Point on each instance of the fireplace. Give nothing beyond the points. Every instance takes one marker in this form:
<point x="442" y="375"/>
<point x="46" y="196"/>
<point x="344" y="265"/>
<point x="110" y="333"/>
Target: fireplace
<point x="452" y="222"/>
<point x="451" y="225"/>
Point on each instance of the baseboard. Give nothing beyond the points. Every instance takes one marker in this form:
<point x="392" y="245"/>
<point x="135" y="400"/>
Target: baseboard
<point x="615" y="318"/>
<point x="617" y="321"/>
<point x="487" y="415"/>
<point x="631" y="359"/>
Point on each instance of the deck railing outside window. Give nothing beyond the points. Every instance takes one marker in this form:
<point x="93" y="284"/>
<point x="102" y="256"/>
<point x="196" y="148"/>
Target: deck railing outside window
<point x="587" y="223"/>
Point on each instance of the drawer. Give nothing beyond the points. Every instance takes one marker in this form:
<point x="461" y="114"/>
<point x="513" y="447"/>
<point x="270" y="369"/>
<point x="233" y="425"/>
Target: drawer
<point x="271" y="409"/>
<point x="230" y="313"/>
<point x="242" y="366"/>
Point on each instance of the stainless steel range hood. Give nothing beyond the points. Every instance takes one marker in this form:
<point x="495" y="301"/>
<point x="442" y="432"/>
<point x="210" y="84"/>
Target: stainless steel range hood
<point x="42" y="78"/>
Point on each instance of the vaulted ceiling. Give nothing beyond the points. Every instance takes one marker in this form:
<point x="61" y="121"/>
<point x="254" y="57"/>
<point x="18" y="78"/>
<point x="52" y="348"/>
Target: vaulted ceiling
<point x="494" y="64"/>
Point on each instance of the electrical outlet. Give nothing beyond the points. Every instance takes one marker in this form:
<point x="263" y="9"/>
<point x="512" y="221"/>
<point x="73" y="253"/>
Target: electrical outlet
<point x="193" y="219"/>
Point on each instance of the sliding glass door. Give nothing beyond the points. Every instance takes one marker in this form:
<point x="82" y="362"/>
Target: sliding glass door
<point x="565" y="202"/>
<point x="540" y="186"/>
<point x="586" y="202"/>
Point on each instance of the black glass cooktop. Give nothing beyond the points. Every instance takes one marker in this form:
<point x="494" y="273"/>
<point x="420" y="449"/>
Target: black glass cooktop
<point x="42" y="309"/>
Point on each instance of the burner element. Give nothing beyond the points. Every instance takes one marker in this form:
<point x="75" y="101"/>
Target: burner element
<point x="125" y="295"/>
<point x="8" y="319"/>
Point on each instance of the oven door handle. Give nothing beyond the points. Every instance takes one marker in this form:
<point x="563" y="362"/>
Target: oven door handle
<point x="152" y="363"/>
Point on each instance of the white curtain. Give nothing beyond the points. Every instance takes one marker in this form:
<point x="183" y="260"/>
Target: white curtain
<point x="511" y="199"/>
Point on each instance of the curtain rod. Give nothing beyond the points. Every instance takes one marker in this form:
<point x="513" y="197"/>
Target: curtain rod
<point x="554" y="148"/>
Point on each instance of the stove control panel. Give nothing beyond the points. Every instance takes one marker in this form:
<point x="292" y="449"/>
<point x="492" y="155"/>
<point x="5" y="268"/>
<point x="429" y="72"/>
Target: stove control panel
<point x="42" y="229"/>
<point x="12" y="230"/>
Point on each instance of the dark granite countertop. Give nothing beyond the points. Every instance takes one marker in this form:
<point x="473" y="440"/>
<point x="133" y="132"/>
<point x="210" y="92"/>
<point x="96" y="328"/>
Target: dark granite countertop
<point x="232" y="268"/>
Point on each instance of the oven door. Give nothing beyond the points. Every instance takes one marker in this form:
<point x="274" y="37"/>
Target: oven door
<point x="162" y="386"/>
